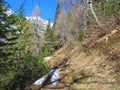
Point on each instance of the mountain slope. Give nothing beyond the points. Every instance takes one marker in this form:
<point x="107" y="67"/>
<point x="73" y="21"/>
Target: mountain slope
<point x="89" y="68"/>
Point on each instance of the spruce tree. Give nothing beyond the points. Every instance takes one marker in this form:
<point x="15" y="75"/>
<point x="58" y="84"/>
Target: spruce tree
<point x="8" y="33"/>
<point x="57" y="11"/>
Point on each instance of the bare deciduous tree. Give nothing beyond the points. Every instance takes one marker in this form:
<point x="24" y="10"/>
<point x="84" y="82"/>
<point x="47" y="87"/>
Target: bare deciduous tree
<point x="73" y="18"/>
<point x="69" y="24"/>
<point x="92" y="11"/>
<point x="60" y="26"/>
<point x="37" y="40"/>
<point x="36" y="11"/>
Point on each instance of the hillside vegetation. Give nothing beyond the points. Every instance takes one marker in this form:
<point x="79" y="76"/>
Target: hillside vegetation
<point x="90" y="36"/>
<point x="89" y="68"/>
<point x="84" y="43"/>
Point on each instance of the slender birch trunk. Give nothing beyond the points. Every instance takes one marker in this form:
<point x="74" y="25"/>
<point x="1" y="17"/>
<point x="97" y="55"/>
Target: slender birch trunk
<point x="93" y="12"/>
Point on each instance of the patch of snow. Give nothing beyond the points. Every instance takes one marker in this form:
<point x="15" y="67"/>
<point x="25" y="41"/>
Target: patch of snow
<point x="39" y="81"/>
<point x="9" y="12"/>
<point x="46" y="59"/>
<point x="54" y="76"/>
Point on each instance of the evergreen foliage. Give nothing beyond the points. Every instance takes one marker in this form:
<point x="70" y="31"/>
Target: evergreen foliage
<point x="18" y="68"/>
<point x="51" y="39"/>
<point x="110" y="7"/>
<point x="23" y="45"/>
<point x="81" y="36"/>
<point x="8" y="35"/>
<point x="57" y="11"/>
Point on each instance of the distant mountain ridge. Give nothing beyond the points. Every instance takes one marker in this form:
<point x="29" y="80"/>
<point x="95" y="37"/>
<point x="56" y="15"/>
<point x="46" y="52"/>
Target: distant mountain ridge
<point x="33" y="19"/>
<point x="39" y="21"/>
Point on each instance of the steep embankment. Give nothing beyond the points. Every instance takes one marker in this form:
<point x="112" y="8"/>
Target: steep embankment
<point x="93" y="66"/>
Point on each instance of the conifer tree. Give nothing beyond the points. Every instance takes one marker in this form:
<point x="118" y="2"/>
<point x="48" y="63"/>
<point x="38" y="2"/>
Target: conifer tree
<point x="17" y="65"/>
<point x="9" y="37"/>
<point x="57" y="11"/>
<point x="8" y="33"/>
<point x="51" y="39"/>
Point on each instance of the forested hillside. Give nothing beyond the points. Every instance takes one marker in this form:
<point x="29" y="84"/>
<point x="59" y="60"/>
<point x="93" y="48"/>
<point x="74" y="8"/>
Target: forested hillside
<point x="22" y="49"/>
<point x="84" y="43"/>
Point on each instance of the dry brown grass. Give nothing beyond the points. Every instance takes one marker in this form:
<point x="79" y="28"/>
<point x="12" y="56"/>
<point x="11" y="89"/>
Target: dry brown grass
<point x="93" y="68"/>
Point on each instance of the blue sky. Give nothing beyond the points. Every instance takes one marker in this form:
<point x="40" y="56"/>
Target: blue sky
<point x="47" y="7"/>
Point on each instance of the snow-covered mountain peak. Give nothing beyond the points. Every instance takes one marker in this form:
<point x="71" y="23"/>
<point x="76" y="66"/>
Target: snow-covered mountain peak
<point x="38" y="20"/>
<point x="33" y="19"/>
